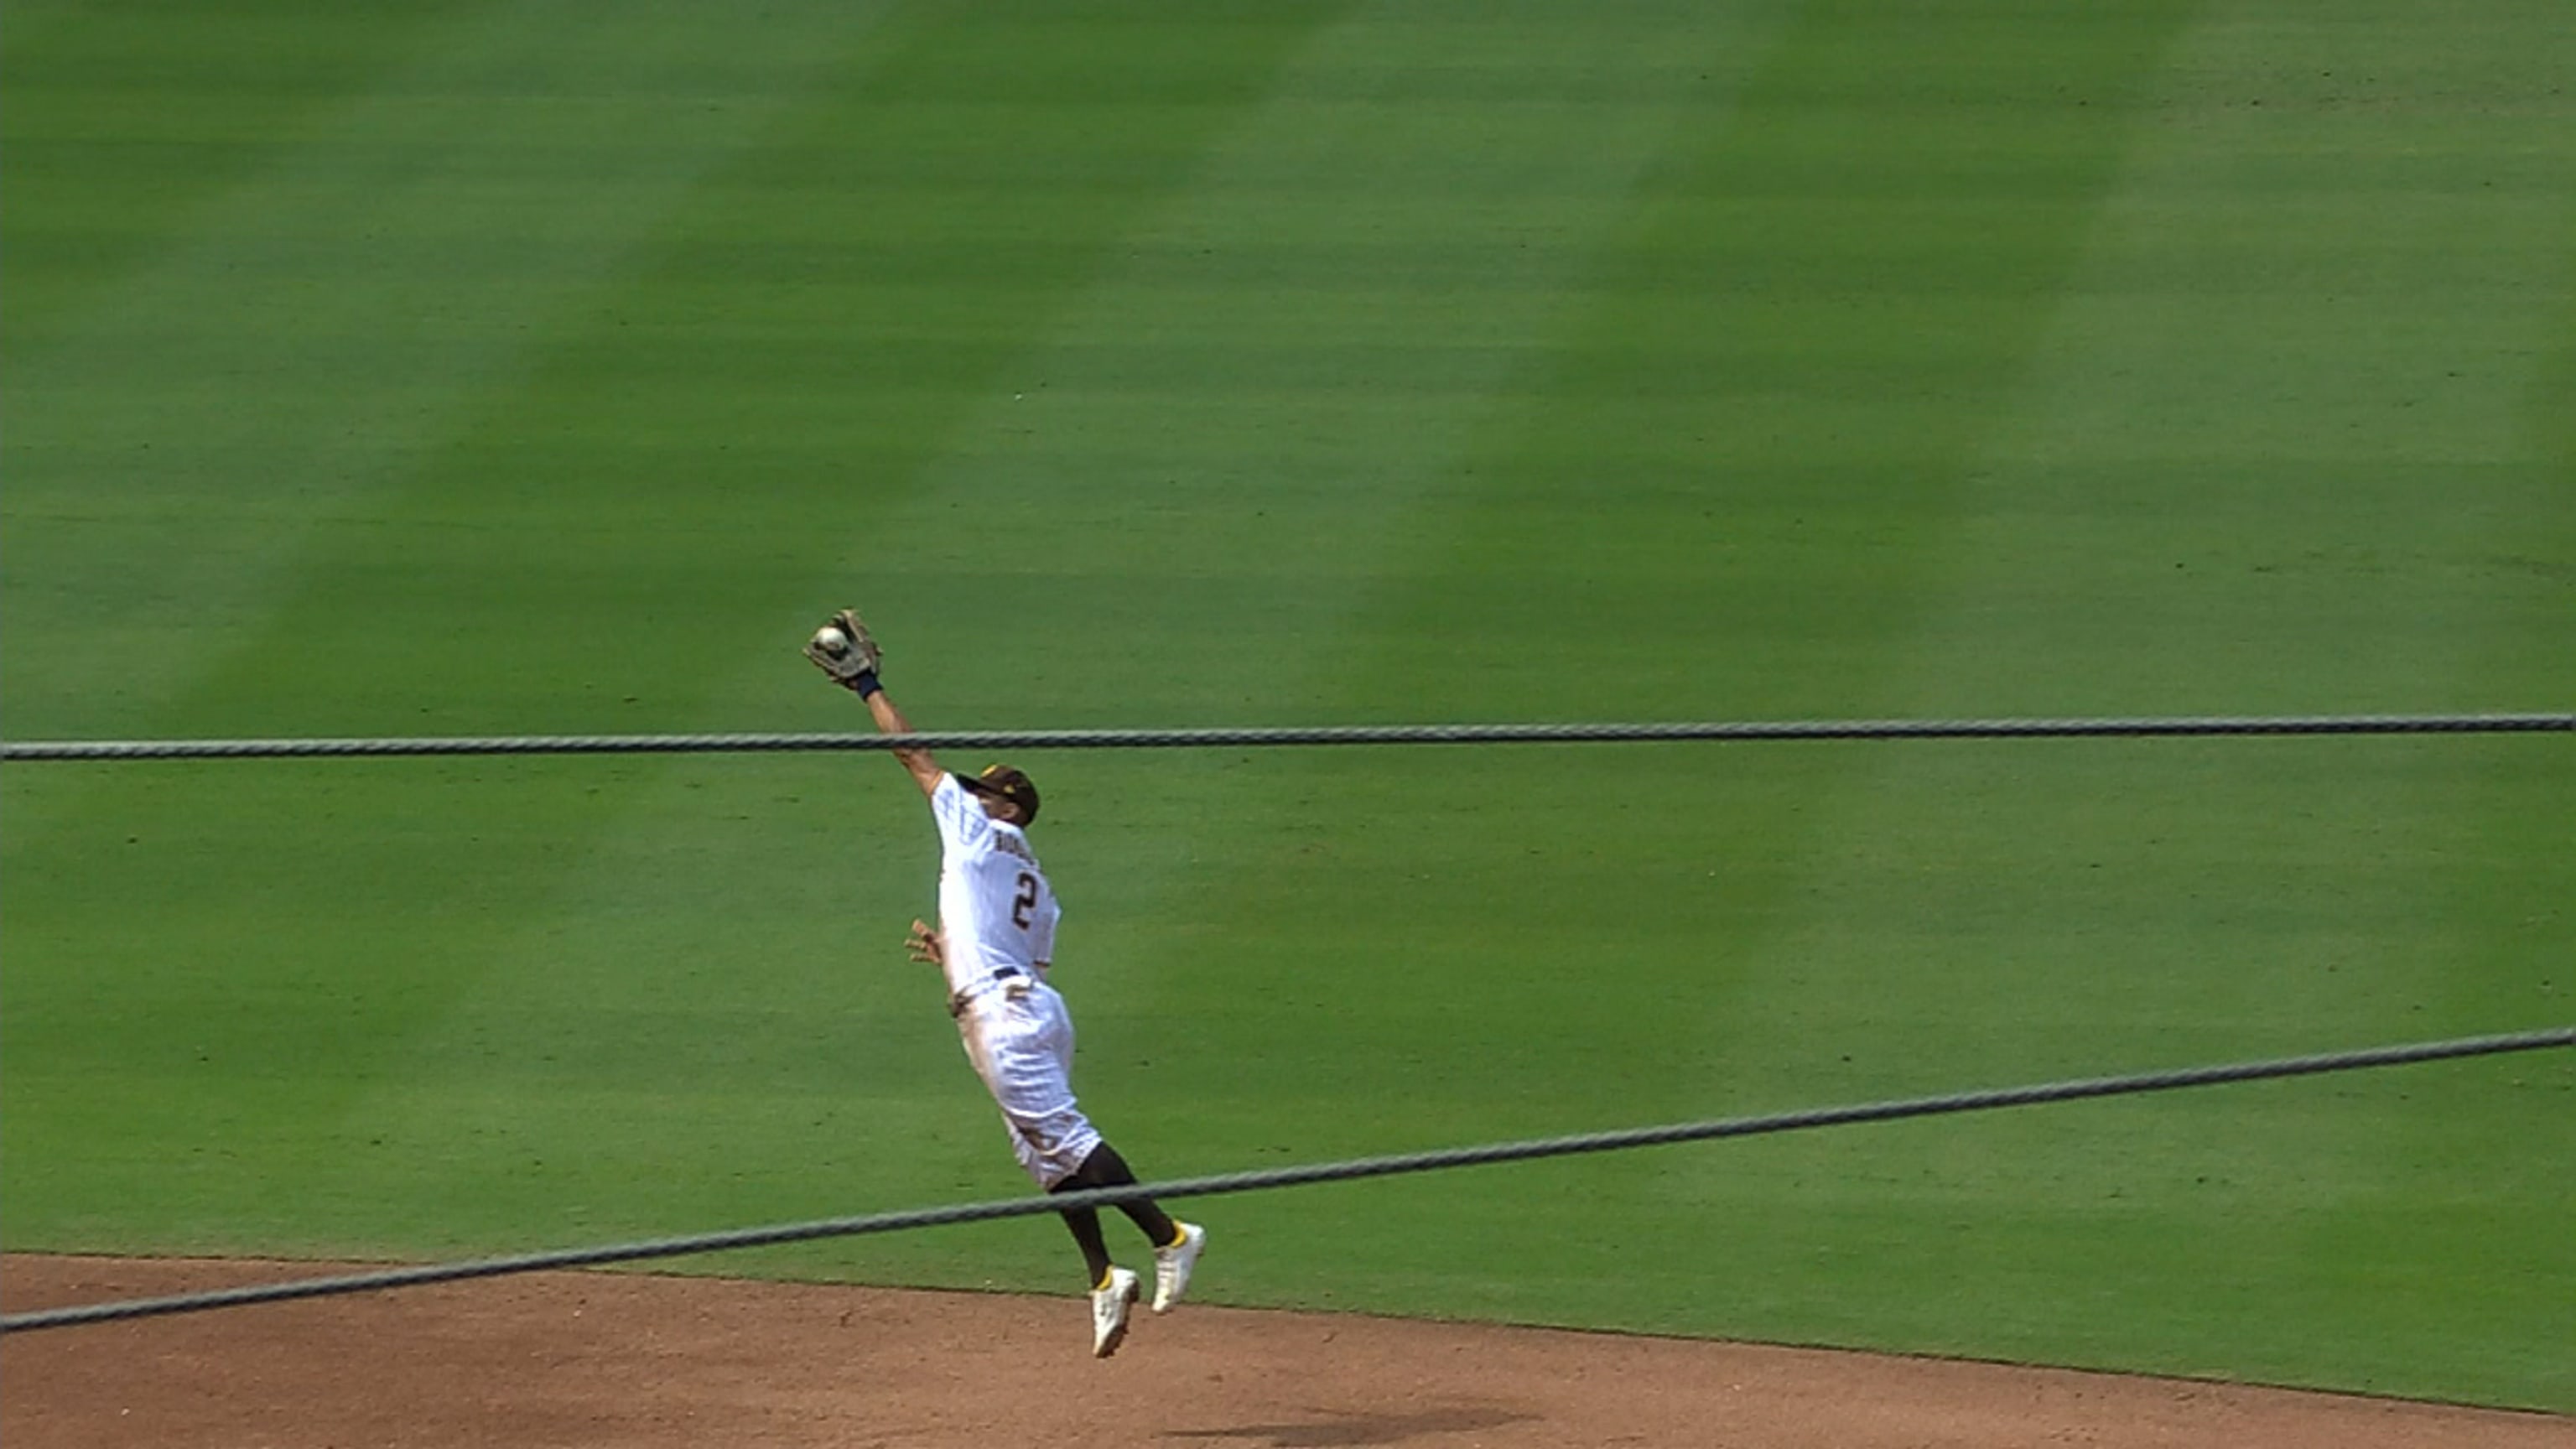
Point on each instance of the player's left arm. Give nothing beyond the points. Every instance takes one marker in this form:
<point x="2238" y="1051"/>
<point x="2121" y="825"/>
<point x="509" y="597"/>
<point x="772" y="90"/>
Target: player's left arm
<point x="927" y="945"/>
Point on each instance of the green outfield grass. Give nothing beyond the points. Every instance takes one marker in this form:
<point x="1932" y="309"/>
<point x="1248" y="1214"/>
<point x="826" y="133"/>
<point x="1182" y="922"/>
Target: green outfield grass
<point x="494" y="368"/>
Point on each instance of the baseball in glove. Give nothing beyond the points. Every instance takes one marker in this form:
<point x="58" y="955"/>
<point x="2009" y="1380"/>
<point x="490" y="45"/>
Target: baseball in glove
<point x="843" y="649"/>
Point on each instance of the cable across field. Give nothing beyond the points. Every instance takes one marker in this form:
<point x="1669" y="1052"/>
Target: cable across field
<point x="2148" y="727"/>
<point x="1986" y="1099"/>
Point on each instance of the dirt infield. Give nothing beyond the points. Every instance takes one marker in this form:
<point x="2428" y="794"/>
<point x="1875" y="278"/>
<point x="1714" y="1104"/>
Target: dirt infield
<point x="627" y="1360"/>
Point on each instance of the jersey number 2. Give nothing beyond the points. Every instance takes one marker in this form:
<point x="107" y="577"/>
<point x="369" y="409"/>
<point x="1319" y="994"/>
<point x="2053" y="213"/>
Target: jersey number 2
<point x="1026" y="902"/>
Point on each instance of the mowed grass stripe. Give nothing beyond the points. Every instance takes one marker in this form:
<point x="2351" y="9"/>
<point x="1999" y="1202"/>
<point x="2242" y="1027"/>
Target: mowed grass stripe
<point x="1227" y="447"/>
<point x="2476" y="1194"/>
<point x="1728" y="490"/>
<point x="123" y="129"/>
<point x="988" y="579"/>
<point x="307" y="929"/>
<point x="2512" y="898"/>
<point x="270" y="371"/>
<point x="307" y="344"/>
<point x="2271" y="449"/>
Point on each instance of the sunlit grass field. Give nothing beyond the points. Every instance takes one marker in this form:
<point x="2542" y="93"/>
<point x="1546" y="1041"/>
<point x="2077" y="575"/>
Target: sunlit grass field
<point x="516" y="368"/>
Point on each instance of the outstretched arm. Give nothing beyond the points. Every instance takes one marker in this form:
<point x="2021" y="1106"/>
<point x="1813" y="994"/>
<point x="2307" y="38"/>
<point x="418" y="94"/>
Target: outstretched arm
<point x="890" y="720"/>
<point x="843" y="649"/>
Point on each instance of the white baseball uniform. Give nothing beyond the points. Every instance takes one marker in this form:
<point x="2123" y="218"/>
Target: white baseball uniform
<point x="998" y="916"/>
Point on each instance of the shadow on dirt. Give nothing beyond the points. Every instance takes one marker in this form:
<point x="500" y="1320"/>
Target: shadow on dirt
<point x="1338" y="1428"/>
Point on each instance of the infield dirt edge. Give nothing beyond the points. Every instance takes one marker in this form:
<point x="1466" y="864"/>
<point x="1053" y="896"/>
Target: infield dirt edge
<point x="652" y="1359"/>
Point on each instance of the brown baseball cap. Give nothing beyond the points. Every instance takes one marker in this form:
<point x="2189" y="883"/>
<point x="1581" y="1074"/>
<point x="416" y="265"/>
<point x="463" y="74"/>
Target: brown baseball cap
<point x="1006" y="784"/>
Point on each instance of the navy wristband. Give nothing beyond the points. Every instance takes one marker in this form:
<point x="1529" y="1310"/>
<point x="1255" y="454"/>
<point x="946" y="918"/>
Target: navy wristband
<point x="866" y="684"/>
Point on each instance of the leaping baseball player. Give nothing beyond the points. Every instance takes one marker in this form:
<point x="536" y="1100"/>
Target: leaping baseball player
<point x="995" y="944"/>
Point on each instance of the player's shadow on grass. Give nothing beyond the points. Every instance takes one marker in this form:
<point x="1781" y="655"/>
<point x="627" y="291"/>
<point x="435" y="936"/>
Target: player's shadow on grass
<point x="1337" y="1428"/>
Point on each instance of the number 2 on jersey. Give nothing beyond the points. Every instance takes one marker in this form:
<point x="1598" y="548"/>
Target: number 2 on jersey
<point x="1026" y="902"/>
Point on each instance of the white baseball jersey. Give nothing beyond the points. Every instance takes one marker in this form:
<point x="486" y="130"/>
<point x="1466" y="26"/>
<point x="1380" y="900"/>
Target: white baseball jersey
<point x="998" y="914"/>
<point x="994" y="901"/>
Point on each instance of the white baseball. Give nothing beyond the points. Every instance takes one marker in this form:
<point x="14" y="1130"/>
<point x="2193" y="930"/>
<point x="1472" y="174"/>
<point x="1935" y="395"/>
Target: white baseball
<point x="831" y="640"/>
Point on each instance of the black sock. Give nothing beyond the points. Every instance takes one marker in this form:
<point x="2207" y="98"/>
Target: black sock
<point x="1085" y="1223"/>
<point x="1105" y="1168"/>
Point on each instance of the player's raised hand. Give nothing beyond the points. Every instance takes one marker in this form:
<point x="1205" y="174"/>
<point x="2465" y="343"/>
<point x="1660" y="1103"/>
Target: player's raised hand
<point x="924" y="945"/>
<point x="845" y="650"/>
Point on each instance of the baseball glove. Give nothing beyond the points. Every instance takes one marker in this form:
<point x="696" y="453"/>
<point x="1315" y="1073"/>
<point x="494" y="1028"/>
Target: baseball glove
<point x="843" y="649"/>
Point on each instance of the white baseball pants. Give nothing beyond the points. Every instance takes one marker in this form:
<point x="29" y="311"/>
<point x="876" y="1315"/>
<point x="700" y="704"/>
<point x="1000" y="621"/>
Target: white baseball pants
<point x="1020" y="1038"/>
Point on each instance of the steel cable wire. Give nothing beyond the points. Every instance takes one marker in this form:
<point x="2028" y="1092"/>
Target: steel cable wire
<point x="1343" y="1171"/>
<point x="1274" y="736"/>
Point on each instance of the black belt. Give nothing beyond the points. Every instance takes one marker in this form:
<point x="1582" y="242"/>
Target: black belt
<point x="958" y="1001"/>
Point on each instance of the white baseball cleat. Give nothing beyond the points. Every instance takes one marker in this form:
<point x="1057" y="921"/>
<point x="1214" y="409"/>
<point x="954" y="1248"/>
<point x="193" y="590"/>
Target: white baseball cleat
<point x="1109" y="1312"/>
<point x="1172" y="1266"/>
